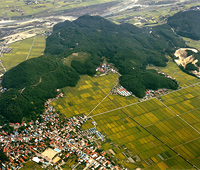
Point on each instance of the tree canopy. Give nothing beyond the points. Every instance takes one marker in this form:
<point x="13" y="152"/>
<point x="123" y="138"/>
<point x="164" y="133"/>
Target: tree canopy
<point x="34" y="81"/>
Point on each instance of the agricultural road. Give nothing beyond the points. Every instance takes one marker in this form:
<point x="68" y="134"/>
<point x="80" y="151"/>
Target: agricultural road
<point x="141" y="101"/>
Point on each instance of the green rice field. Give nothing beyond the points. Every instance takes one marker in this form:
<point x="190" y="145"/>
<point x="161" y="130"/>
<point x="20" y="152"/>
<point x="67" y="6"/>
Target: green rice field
<point x="21" y="49"/>
<point x="173" y="70"/>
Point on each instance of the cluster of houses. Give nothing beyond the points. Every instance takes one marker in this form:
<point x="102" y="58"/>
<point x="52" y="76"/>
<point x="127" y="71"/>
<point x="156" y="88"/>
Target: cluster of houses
<point x="50" y="140"/>
<point x="153" y="93"/>
<point x="4" y="49"/>
<point x="105" y="68"/>
<point x="1" y="88"/>
<point x="123" y="92"/>
<point x="166" y="75"/>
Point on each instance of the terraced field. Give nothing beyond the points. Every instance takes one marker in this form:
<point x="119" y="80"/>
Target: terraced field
<point x="162" y="133"/>
<point x="23" y="50"/>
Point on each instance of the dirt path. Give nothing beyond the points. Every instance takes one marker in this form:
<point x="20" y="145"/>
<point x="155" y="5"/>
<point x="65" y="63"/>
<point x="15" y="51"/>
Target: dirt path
<point x="102" y="100"/>
<point x="38" y="82"/>
<point x="30" y="48"/>
<point x="3" y="66"/>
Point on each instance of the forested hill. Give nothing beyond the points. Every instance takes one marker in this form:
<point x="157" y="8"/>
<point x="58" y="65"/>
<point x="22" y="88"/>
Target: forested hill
<point x="186" y="24"/>
<point x="124" y="45"/>
<point x="130" y="48"/>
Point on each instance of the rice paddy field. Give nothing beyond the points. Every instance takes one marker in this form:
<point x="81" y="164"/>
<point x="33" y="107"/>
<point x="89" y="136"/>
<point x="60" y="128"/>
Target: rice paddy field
<point x="151" y="15"/>
<point x="183" y="78"/>
<point x="192" y="43"/>
<point x="156" y="130"/>
<point x="16" y="8"/>
<point x="23" y="50"/>
<point x="163" y="132"/>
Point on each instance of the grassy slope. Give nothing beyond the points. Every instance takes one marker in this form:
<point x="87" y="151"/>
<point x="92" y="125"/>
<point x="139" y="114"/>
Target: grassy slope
<point x="81" y="56"/>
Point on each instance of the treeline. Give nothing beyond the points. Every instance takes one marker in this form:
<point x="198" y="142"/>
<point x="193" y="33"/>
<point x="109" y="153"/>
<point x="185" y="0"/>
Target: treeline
<point x="186" y="24"/>
<point x="130" y="48"/>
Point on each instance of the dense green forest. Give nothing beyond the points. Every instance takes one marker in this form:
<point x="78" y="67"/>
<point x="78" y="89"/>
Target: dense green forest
<point x="186" y="24"/>
<point x="129" y="48"/>
<point x="30" y="84"/>
<point x="139" y="80"/>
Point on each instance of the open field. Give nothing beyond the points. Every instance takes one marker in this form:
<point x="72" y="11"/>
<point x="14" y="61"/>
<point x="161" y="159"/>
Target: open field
<point x="141" y="12"/>
<point x="80" y="56"/>
<point x="155" y="133"/>
<point x="22" y="50"/>
<point x="192" y="43"/>
<point x="151" y="15"/>
<point x="163" y="132"/>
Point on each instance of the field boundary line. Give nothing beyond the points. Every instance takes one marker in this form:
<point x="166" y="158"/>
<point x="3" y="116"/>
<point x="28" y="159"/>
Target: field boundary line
<point x="143" y="101"/>
<point x="31" y="48"/>
<point x="185" y="143"/>
<point x="172" y="117"/>
<point x="159" y="139"/>
<point x="101" y="100"/>
<point x="179" y="116"/>
<point x="98" y="104"/>
<point x="3" y="66"/>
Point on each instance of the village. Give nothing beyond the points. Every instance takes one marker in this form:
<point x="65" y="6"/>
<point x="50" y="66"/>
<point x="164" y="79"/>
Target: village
<point x="105" y="69"/>
<point x="50" y="141"/>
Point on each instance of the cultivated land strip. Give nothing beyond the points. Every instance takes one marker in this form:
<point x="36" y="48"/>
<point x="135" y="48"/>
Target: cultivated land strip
<point x="160" y="140"/>
<point x="179" y="116"/>
<point x="98" y="104"/>
<point x="101" y="100"/>
<point x="143" y="127"/>
<point x="173" y="116"/>
<point x="143" y="101"/>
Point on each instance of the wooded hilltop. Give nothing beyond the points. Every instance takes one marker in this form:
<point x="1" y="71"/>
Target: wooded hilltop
<point x="128" y="47"/>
